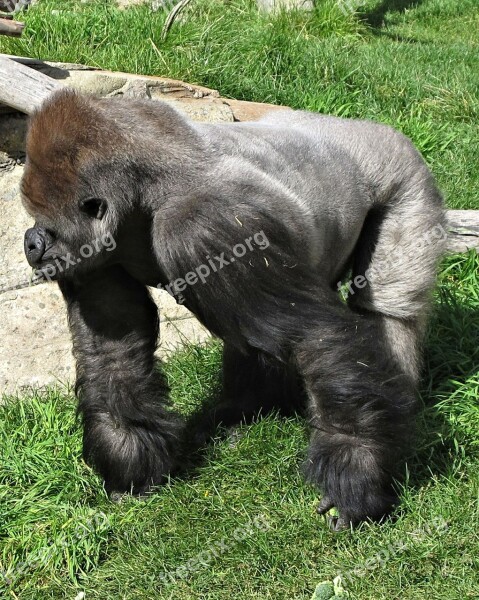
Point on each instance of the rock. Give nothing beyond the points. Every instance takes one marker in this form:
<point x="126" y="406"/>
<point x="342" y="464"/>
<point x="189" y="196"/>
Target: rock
<point x="127" y="3"/>
<point x="250" y="111"/>
<point x="36" y="346"/>
<point x="14" y="269"/>
<point x="211" y="110"/>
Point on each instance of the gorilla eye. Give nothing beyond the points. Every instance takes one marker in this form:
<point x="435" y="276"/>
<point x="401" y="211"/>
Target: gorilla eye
<point x="93" y="207"/>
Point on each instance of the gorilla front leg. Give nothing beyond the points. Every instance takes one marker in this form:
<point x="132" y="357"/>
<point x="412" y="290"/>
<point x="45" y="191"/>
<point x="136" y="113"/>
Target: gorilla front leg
<point x="129" y="434"/>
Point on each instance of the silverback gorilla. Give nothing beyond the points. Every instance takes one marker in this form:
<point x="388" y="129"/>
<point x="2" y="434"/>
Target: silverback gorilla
<point x="333" y="198"/>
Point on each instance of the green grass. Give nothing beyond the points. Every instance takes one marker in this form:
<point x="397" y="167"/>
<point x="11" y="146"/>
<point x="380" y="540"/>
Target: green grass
<point x="60" y="534"/>
<point x="415" y="66"/>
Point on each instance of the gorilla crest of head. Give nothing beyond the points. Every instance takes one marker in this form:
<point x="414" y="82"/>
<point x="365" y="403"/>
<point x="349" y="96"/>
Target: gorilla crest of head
<point x="187" y="205"/>
<point x="85" y="173"/>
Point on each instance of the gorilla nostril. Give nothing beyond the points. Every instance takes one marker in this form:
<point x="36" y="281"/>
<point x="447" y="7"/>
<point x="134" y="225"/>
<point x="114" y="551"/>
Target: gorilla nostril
<point x="35" y="245"/>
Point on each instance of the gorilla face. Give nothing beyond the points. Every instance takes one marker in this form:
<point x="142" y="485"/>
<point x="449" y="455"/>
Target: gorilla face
<point x="59" y="248"/>
<point x="90" y="186"/>
<point x="79" y="235"/>
<point x="65" y="190"/>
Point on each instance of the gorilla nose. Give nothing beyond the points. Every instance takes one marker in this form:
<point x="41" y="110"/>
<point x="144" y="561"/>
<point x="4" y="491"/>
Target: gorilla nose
<point x="35" y="245"/>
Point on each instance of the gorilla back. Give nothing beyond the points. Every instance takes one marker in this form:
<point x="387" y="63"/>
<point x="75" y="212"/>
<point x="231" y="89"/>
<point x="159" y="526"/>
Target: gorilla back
<point x="252" y="226"/>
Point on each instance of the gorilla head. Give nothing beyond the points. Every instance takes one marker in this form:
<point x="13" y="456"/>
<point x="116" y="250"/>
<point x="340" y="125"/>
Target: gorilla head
<point x="84" y="177"/>
<point x="128" y="194"/>
<point x="61" y="189"/>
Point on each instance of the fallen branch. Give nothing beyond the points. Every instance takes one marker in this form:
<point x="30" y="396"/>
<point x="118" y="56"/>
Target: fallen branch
<point x="10" y="27"/>
<point x="172" y="16"/>
<point x="23" y="88"/>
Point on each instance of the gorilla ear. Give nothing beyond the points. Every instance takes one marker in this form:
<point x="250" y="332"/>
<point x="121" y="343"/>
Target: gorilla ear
<point x="94" y="208"/>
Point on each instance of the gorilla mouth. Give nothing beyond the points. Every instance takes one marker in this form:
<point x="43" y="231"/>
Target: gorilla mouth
<point x="53" y="266"/>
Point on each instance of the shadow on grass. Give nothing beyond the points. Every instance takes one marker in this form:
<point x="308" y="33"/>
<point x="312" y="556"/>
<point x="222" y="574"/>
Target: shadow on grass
<point x="217" y="418"/>
<point x="440" y="444"/>
<point x="375" y="17"/>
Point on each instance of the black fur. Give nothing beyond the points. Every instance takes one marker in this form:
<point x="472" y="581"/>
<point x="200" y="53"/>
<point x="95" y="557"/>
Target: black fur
<point x="129" y="433"/>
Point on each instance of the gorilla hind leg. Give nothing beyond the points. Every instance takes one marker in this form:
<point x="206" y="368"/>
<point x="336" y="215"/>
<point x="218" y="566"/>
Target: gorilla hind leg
<point x="361" y="407"/>
<point x="362" y="369"/>
<point x="395" y="267"/>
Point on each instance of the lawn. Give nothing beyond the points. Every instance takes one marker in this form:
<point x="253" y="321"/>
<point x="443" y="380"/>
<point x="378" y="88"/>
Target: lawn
<point x="242" y="524"/>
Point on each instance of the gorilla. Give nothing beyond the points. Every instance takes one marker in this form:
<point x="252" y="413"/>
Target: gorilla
<point x="256" y="227"/>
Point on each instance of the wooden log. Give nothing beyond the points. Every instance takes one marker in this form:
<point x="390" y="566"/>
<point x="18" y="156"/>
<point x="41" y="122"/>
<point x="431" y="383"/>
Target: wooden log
<point x="11" y="28"/>
<point x="463" y="230"/>
<point x="22" y="88"/>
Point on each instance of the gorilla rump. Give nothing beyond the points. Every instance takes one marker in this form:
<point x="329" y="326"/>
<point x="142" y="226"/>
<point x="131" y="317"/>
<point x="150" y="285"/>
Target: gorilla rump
<point x="331" y="196"/>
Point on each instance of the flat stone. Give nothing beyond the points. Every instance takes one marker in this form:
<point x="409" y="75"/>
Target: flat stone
<point x="250" y="111"/>
<point x="36" y="344"/>
<point x="92" y="82"/>
<point x="168" y="307"/>
<point x="14" y="269"/>
<point x="128" y="3"/>
<point x="210" y="110"/>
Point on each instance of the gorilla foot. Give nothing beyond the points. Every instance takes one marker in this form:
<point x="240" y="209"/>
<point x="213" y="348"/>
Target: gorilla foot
<point x="346" y="520"/>
<point x="335" y="523"/>
<point x="354" y="479"/>
<point x="338" y="524"/>
<point x="325" y="504"/>
<point x="130" y="458"/>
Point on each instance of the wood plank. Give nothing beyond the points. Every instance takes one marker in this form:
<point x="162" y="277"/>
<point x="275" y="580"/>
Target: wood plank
<point x="463" y="230"/>
<point x="23" y="88"/>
